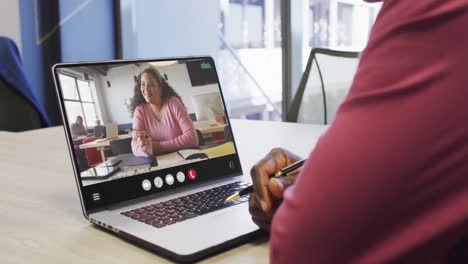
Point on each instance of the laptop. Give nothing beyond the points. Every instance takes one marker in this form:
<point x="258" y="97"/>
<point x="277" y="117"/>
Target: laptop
<point x="175" y="209"/>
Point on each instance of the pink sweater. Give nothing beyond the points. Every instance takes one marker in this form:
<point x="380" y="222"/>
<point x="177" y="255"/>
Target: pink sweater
<point x="388" y="182"/>
<point x="174" y="131"/>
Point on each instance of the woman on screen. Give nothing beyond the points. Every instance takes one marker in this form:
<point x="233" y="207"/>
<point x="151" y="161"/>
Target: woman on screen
<point x="160" y="119"/>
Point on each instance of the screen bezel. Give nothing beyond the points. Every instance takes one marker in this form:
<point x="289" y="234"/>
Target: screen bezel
<point x="84" y="191"/>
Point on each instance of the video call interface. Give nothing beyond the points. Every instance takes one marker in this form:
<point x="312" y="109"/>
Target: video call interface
<point x="129" y="119"/>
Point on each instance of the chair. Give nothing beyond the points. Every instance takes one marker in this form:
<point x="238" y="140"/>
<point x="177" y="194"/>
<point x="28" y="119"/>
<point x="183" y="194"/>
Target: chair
<point x="324" y="87"/>
<point x="19" y="109"/>
<point x="210" y="141"/>
<point x="80" y="155"/>
<point x="201" y="139"/>
<point x="218" y="137"/>
<point x="227" y="133"/>
<point x="193" y="117"/>
<point x="99" y="131"/>
<point x="92" y="154"/>
<point x="121" y="146"/>
<point x="124" y="128"/>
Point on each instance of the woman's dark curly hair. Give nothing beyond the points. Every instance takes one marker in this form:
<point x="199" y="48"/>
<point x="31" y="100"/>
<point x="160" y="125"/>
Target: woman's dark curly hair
<point x="166" y="90"/>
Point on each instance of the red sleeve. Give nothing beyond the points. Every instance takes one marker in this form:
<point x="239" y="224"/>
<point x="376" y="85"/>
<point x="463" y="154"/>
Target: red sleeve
<point x="388" y="179"/>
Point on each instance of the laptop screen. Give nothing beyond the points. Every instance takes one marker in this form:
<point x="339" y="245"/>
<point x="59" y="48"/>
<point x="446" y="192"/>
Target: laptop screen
<point x="137" y="128"/>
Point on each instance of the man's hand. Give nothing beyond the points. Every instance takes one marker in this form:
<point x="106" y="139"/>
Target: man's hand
<point x="268" y="192"/>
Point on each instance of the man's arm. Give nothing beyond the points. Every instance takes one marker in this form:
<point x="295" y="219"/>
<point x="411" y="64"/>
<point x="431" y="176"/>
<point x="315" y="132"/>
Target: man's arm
<point x="344" y="194"/>
<point x="389" y="176"/>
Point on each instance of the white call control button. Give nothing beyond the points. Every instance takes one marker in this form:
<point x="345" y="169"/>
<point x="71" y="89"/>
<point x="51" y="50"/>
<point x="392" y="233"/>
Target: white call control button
<point x="169" y="179"/>
<point x="146" y="185"/>
<point x="158" y="182"/>
<point x="180" y="176"/>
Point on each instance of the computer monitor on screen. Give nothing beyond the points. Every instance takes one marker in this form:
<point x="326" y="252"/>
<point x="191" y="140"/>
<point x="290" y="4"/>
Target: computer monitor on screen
<point x="208" y="106"/>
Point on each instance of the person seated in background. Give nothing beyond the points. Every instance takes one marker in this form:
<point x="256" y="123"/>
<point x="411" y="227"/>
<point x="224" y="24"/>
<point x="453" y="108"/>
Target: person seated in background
<point x="78" y="129"/>
<point x="160" y="119"/>
<point x="98" y="129"/>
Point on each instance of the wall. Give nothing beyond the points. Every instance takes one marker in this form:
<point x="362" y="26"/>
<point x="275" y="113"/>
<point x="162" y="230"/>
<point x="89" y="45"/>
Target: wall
<point x="89" y="33"/>
<point x="166" y="28"/>
<point x="179" y="79"/>
<point x="112" y="99"/>
<point x="10" y="21"/>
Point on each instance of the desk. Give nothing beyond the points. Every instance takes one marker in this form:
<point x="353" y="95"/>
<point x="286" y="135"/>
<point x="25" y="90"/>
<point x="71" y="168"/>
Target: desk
<point x="206" y="128"/>
<point x="41" y="218"/>
<point x="101" y="144"/>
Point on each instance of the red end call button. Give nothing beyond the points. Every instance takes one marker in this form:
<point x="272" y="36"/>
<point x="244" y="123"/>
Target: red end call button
<point x="192" y="174"/>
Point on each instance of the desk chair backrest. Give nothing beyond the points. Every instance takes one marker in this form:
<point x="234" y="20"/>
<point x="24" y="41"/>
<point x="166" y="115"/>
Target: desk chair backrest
<point x="121" y="146"/>
<point x="80" y="155"/>
<point x="16" y="113"/>
<point x="92" y="154"/>
<point x="124" y="128"/>
<point x="99" y="131"/>
<point x="323" y="87"/>
<point x="227" y="133"/>
<point x="19" y="109"/>
<point x="201" y="139"/>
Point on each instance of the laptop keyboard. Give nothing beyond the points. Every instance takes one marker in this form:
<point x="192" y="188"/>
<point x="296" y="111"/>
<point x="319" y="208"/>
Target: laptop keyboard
<point x="189" y="206"/>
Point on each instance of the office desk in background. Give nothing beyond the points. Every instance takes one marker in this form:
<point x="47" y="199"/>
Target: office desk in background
<point x="206" y="128"/>
<point x="40" y="212"/>
<point x="103" y="142"/>
<point x="100" y="144"/>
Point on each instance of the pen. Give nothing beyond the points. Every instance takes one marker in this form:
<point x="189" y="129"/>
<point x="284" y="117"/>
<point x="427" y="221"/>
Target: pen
<point x="281" y="173"/>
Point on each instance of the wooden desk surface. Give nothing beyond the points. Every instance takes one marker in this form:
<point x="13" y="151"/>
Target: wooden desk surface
<point x="209" y="128"/>
<point x="41" y="218"/>
<point x="103" y="143"/>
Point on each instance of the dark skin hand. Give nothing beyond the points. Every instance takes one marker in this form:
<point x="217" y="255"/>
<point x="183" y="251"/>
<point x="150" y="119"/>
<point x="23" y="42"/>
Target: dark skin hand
<point x="268" y="192"/>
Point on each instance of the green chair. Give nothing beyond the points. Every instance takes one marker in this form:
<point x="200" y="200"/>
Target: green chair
<point x="323" y="87"/>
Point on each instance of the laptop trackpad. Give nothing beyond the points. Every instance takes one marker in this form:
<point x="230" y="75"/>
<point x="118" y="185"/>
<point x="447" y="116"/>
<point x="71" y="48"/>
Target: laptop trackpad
<point x="207" y="230"/>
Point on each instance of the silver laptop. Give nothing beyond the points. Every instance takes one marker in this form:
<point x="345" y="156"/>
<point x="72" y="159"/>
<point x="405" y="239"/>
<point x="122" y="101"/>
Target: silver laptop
<point x="175" y="206"/>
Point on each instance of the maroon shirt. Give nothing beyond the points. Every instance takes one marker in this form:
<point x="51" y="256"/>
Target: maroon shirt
<point x="388" y="182"/>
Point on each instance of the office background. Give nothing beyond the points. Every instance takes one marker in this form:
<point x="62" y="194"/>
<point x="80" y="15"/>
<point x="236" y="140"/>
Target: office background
<point x="106" y="95"/>
<point x="260" y="46"/>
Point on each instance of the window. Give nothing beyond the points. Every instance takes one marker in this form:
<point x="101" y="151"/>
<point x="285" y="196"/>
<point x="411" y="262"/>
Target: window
<point x="250" y="58"/>
<point x="336" y="24"/>
<point x="79" y="99"/>
<point x="340" y="24"/>
<point x="245" y="39"/>
<point x="243" y="36"/>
